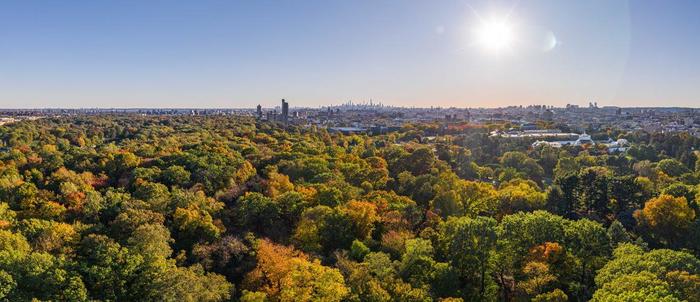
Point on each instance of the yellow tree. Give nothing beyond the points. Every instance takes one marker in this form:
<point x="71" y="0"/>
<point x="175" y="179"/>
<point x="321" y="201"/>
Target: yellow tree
<point x="284" y="274"/>
<point x="311" y="281"/>
<point x="278" y="184"/>
<point x="274" y="263"/>
<point x="667" y="217"/>
<point x="364" y="215"/>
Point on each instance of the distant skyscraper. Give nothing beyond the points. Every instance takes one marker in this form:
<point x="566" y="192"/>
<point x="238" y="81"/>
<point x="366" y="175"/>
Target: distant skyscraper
<point x="285" y="111"/>
<point x="259" y="111"/>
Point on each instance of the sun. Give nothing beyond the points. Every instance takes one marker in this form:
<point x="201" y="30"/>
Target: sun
<point x="494" y="35"/>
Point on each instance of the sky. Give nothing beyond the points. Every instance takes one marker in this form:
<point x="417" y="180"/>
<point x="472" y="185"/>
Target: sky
<point x="237" y="54"/>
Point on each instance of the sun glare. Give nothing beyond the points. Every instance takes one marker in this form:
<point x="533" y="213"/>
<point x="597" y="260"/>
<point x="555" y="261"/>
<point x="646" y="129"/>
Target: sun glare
<point x="494" y="35"/>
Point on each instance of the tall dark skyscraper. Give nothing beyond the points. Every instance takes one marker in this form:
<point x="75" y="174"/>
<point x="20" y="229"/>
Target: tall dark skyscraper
<point x="259" y="111"/>
<point x="285" y="111"/>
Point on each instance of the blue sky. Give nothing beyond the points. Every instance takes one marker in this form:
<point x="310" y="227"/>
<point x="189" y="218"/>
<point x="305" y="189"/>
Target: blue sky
<point x="400" y="52"/>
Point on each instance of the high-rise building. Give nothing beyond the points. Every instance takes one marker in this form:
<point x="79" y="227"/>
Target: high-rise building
<point x="259" y="111"/>
<point x="285" y="111"/>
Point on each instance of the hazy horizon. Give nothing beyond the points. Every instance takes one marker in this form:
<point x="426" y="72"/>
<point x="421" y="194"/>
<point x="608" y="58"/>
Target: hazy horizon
<point x="237" y="54"/>
<point x="332" y="105"/>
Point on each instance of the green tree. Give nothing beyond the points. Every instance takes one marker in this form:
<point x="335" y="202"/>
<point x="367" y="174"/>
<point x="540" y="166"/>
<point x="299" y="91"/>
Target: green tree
<point x="636" y="275"/>
<point x="467" y="244"/>
<point x="259" y="213"/>
<point x="672" y="167"/>
<point x="176" y="176"/>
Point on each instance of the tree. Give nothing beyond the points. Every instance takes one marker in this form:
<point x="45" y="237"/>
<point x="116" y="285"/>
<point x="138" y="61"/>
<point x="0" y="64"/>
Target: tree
<point x="378" y="174"/>
<point x="642" y="286"/>
<point x="109" y="270"/>
<point x="684" y="284"/>
<point x="337" y="231"/>
<point x="155" y="194"/>
<point x="417" y="265"/>
<point x="193" y="225"/>
<point x="358" y="250"/>
<point x="292" y="205"/>
<point x="537" y="278"/>
<point x="420" y="161"/>
<point x="151" y="241"/>
<point x="566" y="166"/>
<point x="311" y="281"/>
<point x="594" y="193"/>
<point x="518" y="196"/>
<point x="230" y="256"/>
<point x="678" y="189"/>
<point x="307" y="234"/>
<point x="167" y="282"/>
<point x="363" y="215"/>
<point x="517" y="234"/>
<point x="556" y="295"/>
<point x="284" y="274"/>
<point x="588" y="242"/>
<point x="121" y="163"/>
<point x="456" y="197"/>
<point x="672" y="167"/>
<point x="522" y="163"/>
<point x="636" y="275"/>
<point x="277" y="184"/>
<point x="129" y="219"/>
<point x="467" y="244"/>
<point x="176" y="176"/>
<point x="667" y="217"/>
<point x="258" y="213"/>
<point x="249" y="296"/>
<point x="7" y="284"/>
<point x="329" y="196"/>
<point x="617" y="234"/>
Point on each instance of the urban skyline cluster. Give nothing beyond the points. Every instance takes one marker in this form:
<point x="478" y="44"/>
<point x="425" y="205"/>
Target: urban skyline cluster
<point x="361" y="116"/>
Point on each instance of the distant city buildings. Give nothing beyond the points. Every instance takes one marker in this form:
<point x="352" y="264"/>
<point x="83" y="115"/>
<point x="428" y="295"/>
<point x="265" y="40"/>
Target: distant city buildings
<point x="285" y="111"/>
<point x="585" y="140"/>
<point x="375" y="115"/>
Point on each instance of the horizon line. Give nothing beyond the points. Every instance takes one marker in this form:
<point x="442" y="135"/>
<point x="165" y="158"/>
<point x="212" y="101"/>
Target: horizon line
<point x="326" y="106"/>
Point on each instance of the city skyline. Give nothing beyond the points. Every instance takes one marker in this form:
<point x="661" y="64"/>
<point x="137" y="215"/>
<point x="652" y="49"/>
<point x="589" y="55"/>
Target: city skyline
<point x="212" y="54"/>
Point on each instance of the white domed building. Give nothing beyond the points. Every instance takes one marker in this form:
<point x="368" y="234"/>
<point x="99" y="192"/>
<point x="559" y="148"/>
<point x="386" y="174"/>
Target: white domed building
<point x="584" y="139"/>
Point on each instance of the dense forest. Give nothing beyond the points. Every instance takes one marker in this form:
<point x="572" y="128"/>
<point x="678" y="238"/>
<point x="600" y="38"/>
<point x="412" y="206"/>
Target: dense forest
<point x="133" y="208"/>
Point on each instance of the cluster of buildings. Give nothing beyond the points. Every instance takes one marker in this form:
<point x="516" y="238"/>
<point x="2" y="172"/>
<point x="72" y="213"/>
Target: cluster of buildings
<point x="4" y="120"/>
<point x="563" y="123"/>
<point x="40" y="112"/>
<point x="273" y="115"/>
<point x="545" y="125"/>
<point x="585" y="140"/>
<point x="595" y="118"/>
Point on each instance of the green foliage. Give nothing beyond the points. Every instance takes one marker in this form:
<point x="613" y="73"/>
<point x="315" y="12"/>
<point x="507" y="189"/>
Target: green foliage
<point x="556" y="295"/>
<point x="467" y="244"/>
<point x="257" y="212"/>
<point x="358" y="250"/>
<point x="636" y="275"/>
<point x="672" y="167"/>
<point x="176" y="176"/>
<point x="216" y="208"/>
<point x="518" y="196"/>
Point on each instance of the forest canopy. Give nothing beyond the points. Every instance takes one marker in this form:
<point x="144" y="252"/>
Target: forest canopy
<point x="215" y="208"/>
